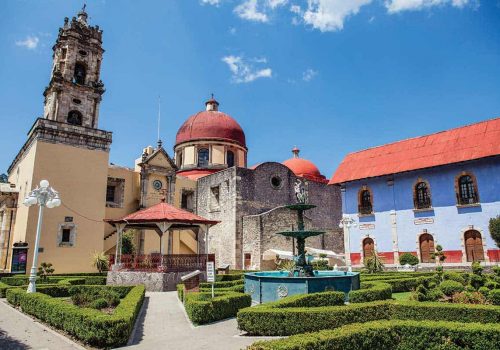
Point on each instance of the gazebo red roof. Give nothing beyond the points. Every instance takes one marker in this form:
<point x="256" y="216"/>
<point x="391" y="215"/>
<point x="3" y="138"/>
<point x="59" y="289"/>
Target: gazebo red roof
<point x="163" y="212"/>
<point x="461" y="144"/>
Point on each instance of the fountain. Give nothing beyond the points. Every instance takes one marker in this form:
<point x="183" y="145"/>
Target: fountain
<point x="268" y="286"/>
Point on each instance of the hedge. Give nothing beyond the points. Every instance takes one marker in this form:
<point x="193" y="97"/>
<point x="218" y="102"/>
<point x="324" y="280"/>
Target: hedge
<point x="393" y="335"/>
<point x="394" y="276"/>
<point x="24" y="280"/>
<point x="90" y="280"/>
<point x="371" y="291"/>
<point x="88" y="325"/>
<point x="201" y="308"/>
<point x="222" y="284"/>
<point x="273" y="321"/>
<point x="229" y="277"/>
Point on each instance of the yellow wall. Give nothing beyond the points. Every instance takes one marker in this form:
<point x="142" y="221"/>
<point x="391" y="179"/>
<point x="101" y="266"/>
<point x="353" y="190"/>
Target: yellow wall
<point x="80" y="176"/>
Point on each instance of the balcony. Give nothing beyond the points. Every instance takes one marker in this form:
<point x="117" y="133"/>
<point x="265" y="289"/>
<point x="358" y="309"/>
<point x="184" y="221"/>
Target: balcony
<point x="155" y="262"/>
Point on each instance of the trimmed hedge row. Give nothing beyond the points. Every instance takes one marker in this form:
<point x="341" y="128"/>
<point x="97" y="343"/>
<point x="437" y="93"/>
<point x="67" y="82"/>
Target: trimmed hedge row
<point x="222" y="284"/>
<point x="24" y="280"/>
<point x="229" y="277"/>
<point x="89" y="325"/>
<point x="393" y="335"/>
<point x="310" y="300"/>
<point x="90" y="280"/>
<point x="274" y="321"/>
<point x="371" y="291"/>
<point x="394" y="276"/>
<point x="201" y="308"/>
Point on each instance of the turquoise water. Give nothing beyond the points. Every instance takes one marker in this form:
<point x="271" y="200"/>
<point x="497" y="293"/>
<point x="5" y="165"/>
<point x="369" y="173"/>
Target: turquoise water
<point x="284" y="274"/>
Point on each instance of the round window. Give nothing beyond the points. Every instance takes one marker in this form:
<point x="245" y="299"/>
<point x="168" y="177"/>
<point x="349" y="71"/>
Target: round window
<point x="157" y="185"/>
<point x="276" y="182"/>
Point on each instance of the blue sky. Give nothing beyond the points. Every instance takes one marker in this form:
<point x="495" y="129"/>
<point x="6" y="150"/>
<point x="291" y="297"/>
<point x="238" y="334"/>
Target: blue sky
<point x="330" y="76"/>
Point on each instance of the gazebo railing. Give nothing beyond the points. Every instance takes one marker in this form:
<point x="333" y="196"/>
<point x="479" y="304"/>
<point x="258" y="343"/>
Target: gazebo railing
<point x="166" y="263"/>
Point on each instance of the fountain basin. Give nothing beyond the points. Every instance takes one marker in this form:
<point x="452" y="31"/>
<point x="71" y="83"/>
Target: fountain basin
<point x="269" y="286"/>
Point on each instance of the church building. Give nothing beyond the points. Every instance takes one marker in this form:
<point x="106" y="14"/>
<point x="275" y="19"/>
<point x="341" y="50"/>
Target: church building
<point x="208" y="175"/>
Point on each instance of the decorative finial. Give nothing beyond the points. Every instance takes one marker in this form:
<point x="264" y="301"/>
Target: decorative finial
<point x="82" y="15"/>
<point x="296" y="152"/>
<point x="212" y="104"/>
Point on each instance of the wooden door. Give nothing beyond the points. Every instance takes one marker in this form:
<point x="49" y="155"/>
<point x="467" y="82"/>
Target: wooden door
<point x="473" y="246"/>
<point x="248" y="261"/>
<point x="368" y="247"/>
<point x="426" y="248"/>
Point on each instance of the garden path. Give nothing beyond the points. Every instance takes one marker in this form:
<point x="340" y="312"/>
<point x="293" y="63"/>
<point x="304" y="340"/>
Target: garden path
<point x="19" y="331"/>
<point x="163" y="324"/>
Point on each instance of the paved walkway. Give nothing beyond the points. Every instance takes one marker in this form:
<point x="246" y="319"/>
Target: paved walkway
<point x="18" y="331"/>
<point x="164" y="325"/>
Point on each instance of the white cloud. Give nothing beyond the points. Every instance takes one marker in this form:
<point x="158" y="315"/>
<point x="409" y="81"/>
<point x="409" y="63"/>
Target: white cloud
<point x="329" y="15"/>
<point x="395" y="6"/>
<point x="31" y="42"/>
<point x="245" y="72"/>
<point x="211" y="2"/>
<point x="276" y="3"/>
<point x="309" y="74"/>
<point x="249" y="10"/>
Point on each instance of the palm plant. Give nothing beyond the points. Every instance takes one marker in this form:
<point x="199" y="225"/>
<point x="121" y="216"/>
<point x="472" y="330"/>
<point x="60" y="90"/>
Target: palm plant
<point x="374" y="263"/>
<point x="100" y="261"/>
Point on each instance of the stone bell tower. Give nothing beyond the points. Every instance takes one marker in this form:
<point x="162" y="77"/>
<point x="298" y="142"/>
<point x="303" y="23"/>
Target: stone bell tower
<point x="75" y="89"/>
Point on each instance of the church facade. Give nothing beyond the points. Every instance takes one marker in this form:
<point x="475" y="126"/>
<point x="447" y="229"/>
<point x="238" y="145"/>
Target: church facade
<point x="208" y="175"/>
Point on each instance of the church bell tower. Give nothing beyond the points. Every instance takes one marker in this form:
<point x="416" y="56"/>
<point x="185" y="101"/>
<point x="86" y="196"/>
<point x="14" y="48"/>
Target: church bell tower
<point x="75" y="89"/>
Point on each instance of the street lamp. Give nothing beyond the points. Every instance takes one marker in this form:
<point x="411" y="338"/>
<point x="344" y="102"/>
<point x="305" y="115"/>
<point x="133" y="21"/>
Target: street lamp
<point x="346" y="223"/>
<point x="44" y="196"/>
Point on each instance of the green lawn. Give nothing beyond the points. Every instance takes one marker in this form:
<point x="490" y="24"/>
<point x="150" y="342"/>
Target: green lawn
<point x="401" y="296"/>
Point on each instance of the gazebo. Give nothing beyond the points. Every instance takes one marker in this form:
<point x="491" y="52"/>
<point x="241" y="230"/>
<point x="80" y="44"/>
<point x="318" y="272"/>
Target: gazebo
<point x="157" y="267"/>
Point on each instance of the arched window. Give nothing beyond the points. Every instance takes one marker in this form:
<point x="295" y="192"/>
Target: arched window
<point x="467" y="193"/>
<point x="230" y="158"/>
<point x="80" y="73"/>
<point x="74" y="118"/>
<point x="365" y="201"/>
<point x="422" y="198"/>
<point x="203" y="156"/>
<point x="179" y="158"/>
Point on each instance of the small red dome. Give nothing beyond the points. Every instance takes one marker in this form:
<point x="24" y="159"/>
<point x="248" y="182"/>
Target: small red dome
<point x="212" y="125"/>
<point x="304" y="168"/>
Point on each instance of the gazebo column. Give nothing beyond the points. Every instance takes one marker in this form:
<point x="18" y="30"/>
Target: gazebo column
<point x="163" y="227"/>
<point x="118" y="255"/>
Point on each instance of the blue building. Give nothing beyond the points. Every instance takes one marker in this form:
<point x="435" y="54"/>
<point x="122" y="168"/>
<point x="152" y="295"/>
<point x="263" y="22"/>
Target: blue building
<point x="411" y="195"/>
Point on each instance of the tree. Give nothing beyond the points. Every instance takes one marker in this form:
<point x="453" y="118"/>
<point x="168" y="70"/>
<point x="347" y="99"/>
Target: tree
<point x="495" y="230"/>
<point x="45" y="270"/>
<point x="100" y="261"/>
<point x="128" y="246"/>
<point x="374" y="263"/>
<point x="408" y="258"/>
<point x="438" y="255"/>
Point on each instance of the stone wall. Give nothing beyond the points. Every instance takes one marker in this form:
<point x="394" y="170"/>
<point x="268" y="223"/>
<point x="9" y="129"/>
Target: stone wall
<point x="153" y="281"/>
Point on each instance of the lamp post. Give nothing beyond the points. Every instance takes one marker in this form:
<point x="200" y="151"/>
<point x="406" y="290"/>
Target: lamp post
<point x="44" y="196"/>
<point x="346" y="223"/>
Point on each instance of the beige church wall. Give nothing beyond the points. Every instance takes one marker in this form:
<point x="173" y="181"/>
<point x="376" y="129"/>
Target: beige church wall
<point x="182" y="183"/>
<point x="218" y="154"/>
<point x="159" y="160"/>
<point x="152" y="242"/>
<point x="80" y="176"/>
<point x="153" y="196"/>
<point x="241" y="159"/>
<point x="130" y="198"/>
<point x="189" y="157"/>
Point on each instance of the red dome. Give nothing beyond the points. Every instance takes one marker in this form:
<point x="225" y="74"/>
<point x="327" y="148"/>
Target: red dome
<point x="212" y="125"/>
<point x="304" y="168"/>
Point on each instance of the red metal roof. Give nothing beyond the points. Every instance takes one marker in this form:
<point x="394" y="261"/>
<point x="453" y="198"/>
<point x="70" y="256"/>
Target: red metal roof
<point x="163" y="212"/>
<point x="195" y="174"/>
<point x="211" y="125"/>
<point x="461" y="144"/>
<point x="305" y="168"/>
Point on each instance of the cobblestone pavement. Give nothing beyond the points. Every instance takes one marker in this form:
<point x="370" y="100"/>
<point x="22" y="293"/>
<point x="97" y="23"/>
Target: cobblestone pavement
<point x="164" y="325"/>
<point x="18" y="331"/>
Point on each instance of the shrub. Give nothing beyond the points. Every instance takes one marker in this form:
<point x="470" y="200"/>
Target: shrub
<point x="477" y="269"/>
<point x="229" y="277"/>
<point x="374" y="263"/>
<point x="468" y="298"/>
<point x="408" y="258"/>
<point x="451" y="287"/>
<point x="453" y="276"/>
<point x="100" y="261"/>
<point x="88" y="325"/>
<point x="320" y="265"/>
<point x="494" y="296"/>
<point x="371" y="291"/>
<point x="45" y="270"/>
<point x="93" y="298"/>
<point x="222" y="284"/>
<point x="201" y="308"/>
<point x="494" y="227"/>
<point x="311" y="300"/>
<point x="491" y="285"/>
<point x="476" y="281"/>
<point x="392" y="335"/>
<point x="496" y="270"/>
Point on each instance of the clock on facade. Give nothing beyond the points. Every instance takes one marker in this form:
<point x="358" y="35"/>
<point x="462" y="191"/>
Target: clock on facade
<point x="157" y="185"/>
